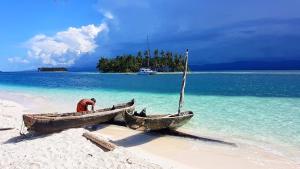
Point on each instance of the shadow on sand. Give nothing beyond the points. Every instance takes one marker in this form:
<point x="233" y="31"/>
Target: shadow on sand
<point x="25" y="137"/>
<point x="171" y="133"/>
<point x="130" y="141"/>
<point x="6" y="128"/>
<point x="33" y="135"/>
<point x="204" y="139"/>
<point x="137" y="139"/>
<point x="142" y="138"/>
<point x="95" y="127"/>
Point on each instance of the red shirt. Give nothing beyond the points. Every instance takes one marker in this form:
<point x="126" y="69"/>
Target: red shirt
<point x="82" y="105"/>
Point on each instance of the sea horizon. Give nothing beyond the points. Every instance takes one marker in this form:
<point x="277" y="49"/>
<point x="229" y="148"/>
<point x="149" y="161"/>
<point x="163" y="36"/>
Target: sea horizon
<point x="179" y="72"/>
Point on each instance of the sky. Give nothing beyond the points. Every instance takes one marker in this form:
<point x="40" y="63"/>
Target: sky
<point x="76" y="33"/>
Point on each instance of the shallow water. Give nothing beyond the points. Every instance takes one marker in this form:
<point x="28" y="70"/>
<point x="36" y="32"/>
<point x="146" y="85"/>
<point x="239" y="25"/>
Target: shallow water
<point x="258" y="108"/>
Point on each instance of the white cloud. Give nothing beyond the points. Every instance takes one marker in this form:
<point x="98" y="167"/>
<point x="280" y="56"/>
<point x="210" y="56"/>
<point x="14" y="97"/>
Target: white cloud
<point x="108" y="15"/>
<point x="17" y="60"/>
<point x="66" y="46"/>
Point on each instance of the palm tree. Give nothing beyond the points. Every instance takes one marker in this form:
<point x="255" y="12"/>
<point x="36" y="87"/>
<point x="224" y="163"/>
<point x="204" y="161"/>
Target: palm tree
<point x="162" y="61"/>
<point x="146" y="55"/>
<point x="139" y="54"/>
<point x="156" y="53"/>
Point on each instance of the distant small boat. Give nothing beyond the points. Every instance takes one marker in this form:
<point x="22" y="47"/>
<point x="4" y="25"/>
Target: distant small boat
<point x="53" y="122"/>
<point x="146" y="71"/>
<point x="157" y="122"/>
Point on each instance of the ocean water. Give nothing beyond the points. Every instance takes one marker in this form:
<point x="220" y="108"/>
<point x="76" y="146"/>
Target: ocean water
<point x="261" y="108"/>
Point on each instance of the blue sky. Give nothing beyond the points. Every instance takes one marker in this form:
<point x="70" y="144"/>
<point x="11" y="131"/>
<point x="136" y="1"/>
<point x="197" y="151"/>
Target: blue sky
<point x="76" y="33"/>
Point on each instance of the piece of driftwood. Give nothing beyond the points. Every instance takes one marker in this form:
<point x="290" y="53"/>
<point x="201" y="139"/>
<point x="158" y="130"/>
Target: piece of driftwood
<point x="53" y="122"/>
<point x="105" y="145"/>
<point x="7" y="128"/>
<point x="157" y="122"/>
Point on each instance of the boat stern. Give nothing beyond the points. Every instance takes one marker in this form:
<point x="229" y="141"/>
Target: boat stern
<point x="28" y="120"/>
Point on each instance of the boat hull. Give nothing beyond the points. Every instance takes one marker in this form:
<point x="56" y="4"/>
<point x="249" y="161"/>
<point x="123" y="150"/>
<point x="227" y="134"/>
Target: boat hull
<point x="156" y="122"/>
<point x="53" y="122"/>
<point x="147" y="73"/>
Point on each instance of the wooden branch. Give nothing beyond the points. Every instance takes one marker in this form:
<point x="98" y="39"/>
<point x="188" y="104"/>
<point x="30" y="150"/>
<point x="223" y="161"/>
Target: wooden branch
<point x="106" y="145"/>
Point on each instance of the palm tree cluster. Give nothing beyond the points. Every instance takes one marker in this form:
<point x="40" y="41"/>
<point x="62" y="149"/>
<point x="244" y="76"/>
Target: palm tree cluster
<point x="161" y="61"/>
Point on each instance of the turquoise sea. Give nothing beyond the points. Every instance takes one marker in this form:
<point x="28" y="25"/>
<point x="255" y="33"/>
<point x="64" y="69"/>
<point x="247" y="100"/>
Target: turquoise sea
<point x="261" y="108"/>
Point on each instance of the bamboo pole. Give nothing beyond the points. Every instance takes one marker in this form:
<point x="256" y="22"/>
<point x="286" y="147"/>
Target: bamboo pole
<point x="106" y="145"/>
<point x="183" y="81"/>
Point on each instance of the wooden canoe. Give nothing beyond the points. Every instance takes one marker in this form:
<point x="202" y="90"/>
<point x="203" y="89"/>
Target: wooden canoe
<point x="53" y="122"/>
<point x="156" y="122"/>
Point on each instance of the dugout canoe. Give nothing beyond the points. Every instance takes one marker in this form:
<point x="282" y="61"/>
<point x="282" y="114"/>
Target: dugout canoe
<point x="53" y="122"/>
<point x="156" y="122"/>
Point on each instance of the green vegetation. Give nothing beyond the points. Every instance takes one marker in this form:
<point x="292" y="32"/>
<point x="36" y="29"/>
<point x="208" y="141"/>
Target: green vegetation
<point x="161" y="61"/>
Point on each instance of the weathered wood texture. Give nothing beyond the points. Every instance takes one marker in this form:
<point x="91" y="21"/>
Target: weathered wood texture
<point x="105" y="145"/>
<point x="157" y="122"/>
<point x="53" y="122"/>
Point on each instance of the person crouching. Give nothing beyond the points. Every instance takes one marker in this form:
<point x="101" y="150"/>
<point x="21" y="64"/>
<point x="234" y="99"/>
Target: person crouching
<point x="82" y="105"/>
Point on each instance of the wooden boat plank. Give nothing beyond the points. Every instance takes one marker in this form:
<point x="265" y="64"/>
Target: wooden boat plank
<point x="45" y="124"/>
<point x="157" y="122"/>
<point x="95" y="114"/>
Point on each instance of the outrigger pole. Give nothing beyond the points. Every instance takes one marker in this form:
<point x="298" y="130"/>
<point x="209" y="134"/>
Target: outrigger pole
<point x="181" y="101"/>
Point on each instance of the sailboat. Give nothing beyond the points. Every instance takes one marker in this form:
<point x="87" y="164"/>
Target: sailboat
<point x="147" y="70"/>
<point x="165" y="121"/>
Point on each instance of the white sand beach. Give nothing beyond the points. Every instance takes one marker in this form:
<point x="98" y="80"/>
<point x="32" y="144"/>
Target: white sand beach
<point x="68" y="149"/>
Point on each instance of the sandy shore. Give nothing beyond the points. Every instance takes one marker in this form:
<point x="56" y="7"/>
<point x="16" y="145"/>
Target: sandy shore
<point x="68" y="149"/>
<point x="191" y="153"/>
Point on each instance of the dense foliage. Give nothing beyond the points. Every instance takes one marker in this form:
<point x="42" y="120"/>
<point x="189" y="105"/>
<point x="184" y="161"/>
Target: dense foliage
<point x="160" y="61"/>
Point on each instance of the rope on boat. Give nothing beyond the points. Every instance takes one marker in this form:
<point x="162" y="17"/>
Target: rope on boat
<point x="21" y="129"/>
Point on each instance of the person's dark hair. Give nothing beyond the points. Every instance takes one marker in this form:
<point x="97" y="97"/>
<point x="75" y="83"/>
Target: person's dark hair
<point x="93" y="99"/>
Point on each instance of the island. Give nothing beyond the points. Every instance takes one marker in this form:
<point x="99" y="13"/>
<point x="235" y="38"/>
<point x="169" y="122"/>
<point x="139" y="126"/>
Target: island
<point x="162" y="61"/>
<point x="52" y="69"/>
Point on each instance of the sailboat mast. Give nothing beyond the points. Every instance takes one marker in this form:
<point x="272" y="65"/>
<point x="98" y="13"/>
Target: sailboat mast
<point x="148" y="52"/>
<point x="183" y="81"/>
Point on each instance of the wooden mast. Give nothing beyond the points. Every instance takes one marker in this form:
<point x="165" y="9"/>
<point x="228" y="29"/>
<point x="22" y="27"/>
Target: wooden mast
<point x="183" y="81"/>
<point x="148" y="52"/>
